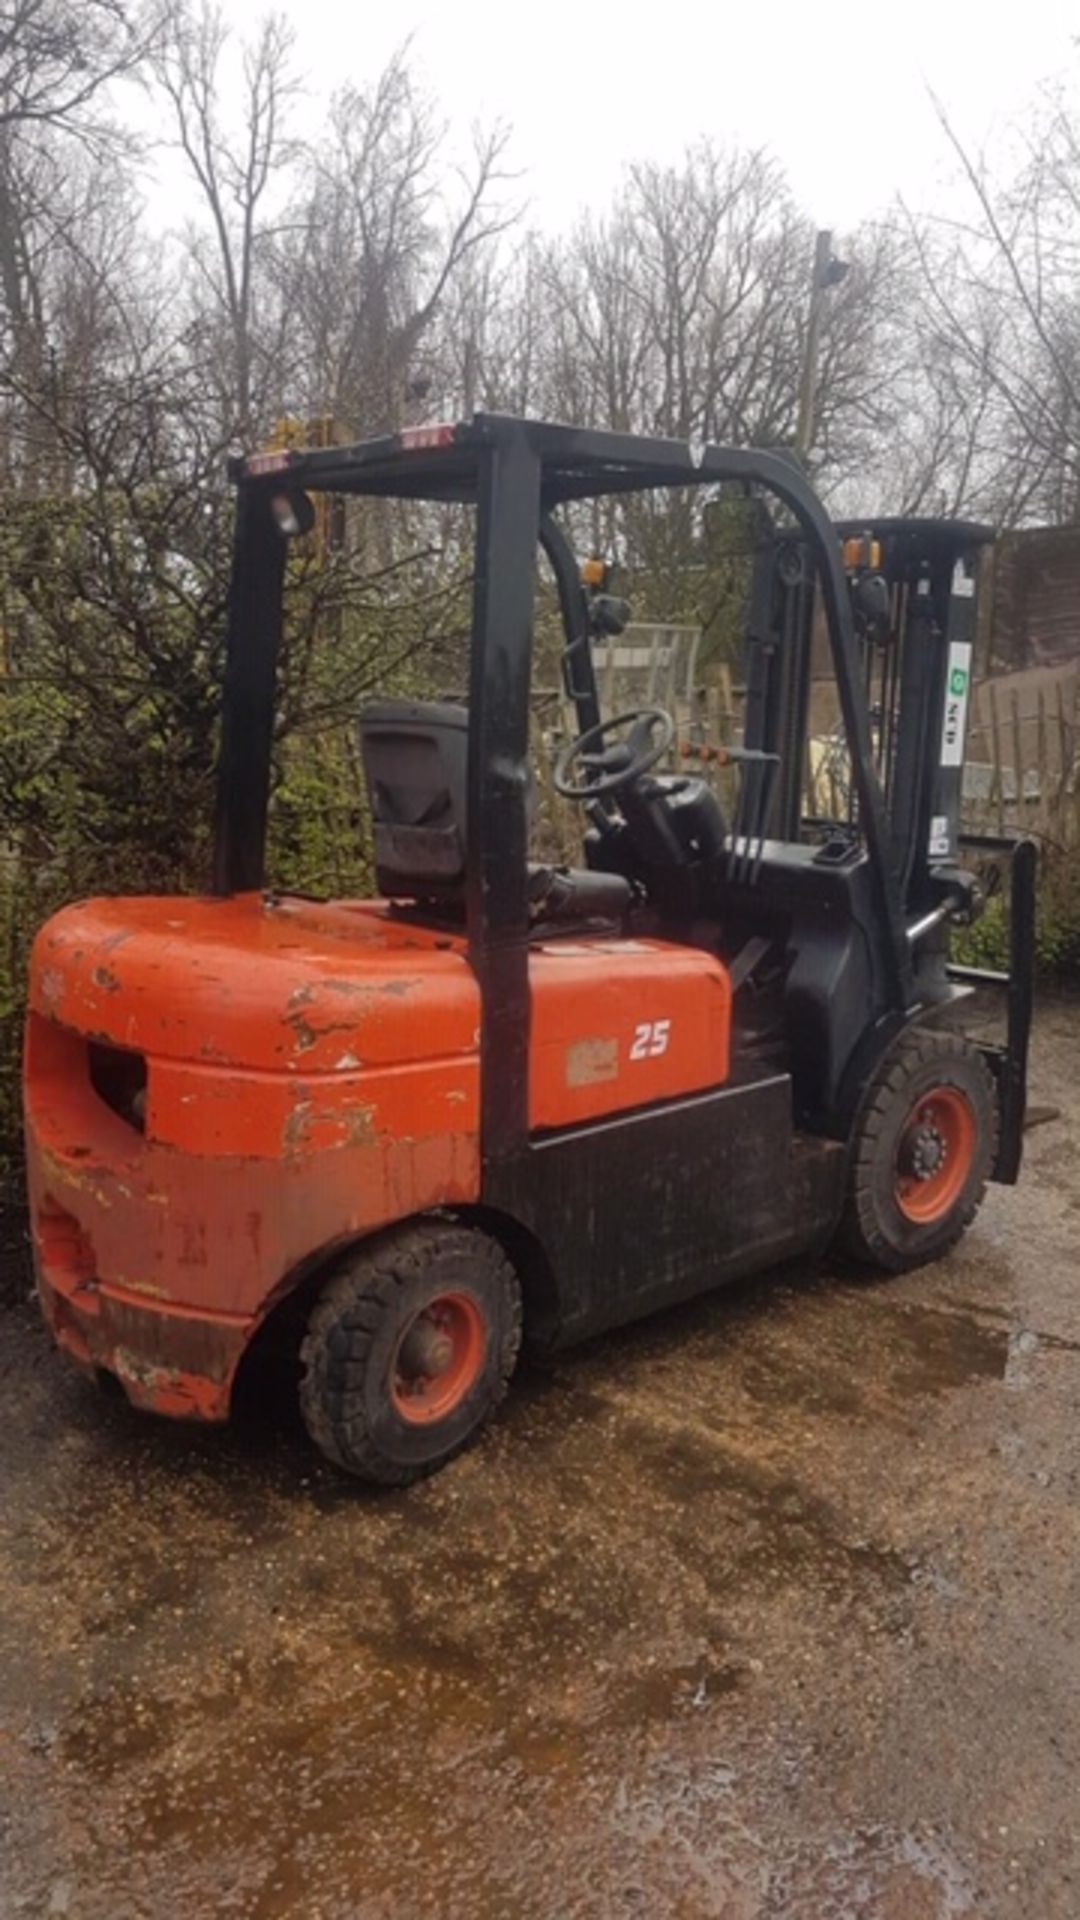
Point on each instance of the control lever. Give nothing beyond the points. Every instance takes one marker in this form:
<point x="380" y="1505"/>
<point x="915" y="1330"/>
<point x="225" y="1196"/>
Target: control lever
<point x="752" y="810"/>
<point x="601" y="819"/>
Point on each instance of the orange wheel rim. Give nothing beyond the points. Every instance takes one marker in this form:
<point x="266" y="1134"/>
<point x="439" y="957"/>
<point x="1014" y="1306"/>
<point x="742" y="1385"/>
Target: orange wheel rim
<point x="439" y="1358"/>
<point x="935" y="1155"/>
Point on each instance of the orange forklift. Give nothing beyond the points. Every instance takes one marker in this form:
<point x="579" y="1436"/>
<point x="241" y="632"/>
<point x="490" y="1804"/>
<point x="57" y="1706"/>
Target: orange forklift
<point x="508" y="1097"/>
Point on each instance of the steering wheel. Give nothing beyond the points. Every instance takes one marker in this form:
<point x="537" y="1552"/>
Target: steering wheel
<point x="620" y="763"/>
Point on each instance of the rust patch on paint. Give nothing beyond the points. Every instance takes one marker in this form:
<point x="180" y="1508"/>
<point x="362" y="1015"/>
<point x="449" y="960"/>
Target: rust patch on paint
<point x="51" y="984"/>
<point x="360" y="1127"/>
<point x="306" y="1036"/>
<point x="590" y="1062"/>
<point x="296" y="1126"/>
<point x="133" y="1283"/>
<point x="169" y="1390"/>
<point x="310" y="1128"/>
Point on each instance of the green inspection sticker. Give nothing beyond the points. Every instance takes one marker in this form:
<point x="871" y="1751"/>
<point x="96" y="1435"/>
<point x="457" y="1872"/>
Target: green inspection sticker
<point x="957" y="695"/>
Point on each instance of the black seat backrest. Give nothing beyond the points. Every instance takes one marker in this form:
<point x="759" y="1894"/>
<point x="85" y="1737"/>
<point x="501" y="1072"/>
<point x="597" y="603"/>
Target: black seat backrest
<point x="416" y="766"/>
<point x="415" y="762"/>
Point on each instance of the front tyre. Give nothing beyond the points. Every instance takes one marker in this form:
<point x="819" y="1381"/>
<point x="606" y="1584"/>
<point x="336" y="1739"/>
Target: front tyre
<point x="922" y="1151"/>
<point x="409" y="1349"/>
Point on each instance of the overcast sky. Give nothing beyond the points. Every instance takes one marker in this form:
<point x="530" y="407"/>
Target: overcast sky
<point x="836" y="91"/>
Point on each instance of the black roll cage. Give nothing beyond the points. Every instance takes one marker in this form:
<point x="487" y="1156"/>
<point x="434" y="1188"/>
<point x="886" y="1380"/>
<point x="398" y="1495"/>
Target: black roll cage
<point x="516" y="472"/>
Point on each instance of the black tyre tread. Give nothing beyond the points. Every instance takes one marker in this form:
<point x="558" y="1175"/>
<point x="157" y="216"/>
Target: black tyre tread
<point x="861" y="1234"/>
<point x="347" y="1316"/>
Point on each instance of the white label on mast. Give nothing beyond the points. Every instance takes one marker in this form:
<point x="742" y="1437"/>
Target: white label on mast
<point x="957" y="693"/>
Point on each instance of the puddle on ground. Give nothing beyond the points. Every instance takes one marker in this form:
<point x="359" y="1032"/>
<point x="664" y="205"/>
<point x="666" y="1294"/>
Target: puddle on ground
<point x="815" y="1383"/>
<point x="780" y="1531"/>
<point x="287" y="1684"/>
<point x="661" y="1693"/>
<point x="387" y="1768"/>
<point x="518" y="1814"/>
<point x="131" y="1726"/>
<point x="883" y="1873"/>
<point x="870" y="1348"/>
<point x="932" y="1349"/>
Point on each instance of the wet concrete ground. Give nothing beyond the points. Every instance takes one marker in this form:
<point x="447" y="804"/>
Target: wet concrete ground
<point x="767" y="1608"/>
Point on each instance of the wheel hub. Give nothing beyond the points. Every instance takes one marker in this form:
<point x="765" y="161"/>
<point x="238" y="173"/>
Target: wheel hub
<point x="934" y="1155"/>
<point x="929" y="1150"/>
<point x="439" y="1359"/>
<point x="426" y="1350"/>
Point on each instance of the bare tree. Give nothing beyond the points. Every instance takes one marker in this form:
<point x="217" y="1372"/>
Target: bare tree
<point x="490" y="344"/>
<point x="681" y="313"/>
<point x="234" y="170"/>
<point x="58" y="56"/>
<point x="57" y="61"/>
<point x="381" y="234"/>
<point x="997" y="329"/>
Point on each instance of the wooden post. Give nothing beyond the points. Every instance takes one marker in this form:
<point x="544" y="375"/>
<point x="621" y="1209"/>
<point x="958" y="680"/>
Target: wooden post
<point x="654" y="667"/>
<point x="1018" y="752"/>
<point x="997" y="783"/>
<point x="1045" y="787"/>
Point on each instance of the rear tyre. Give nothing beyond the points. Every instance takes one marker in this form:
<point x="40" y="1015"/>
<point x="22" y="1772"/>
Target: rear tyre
<point x="409" y="1349"/>
<point x="922" y="1151"/>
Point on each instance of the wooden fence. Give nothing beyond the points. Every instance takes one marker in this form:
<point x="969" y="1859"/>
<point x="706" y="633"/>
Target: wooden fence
<point x="1023" y="768"/>
<point x="1023" y="752"/>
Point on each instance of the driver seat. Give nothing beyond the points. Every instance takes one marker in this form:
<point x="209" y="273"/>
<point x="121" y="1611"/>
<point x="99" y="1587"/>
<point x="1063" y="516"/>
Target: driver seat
<point x="415" y="755"/>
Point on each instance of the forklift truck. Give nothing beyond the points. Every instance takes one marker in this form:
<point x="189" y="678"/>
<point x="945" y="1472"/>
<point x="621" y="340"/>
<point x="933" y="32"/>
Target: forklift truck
<point x="510" y="1096"/>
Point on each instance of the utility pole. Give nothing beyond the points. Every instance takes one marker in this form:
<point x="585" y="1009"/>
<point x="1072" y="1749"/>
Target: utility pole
<point x="827" y="272"/>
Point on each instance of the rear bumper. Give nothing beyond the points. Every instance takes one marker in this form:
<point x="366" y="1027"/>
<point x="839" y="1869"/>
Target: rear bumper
<point x="102" y="1332"/>
<point x="167" y="1360"/>
<point x="157" y="1262"/>
<point x="158" y="1268"/>
<point x="146" y="1264"/>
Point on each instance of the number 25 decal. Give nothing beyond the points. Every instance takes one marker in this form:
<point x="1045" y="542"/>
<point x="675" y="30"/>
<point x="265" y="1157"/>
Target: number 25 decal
<point x="650" y="1038"/>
